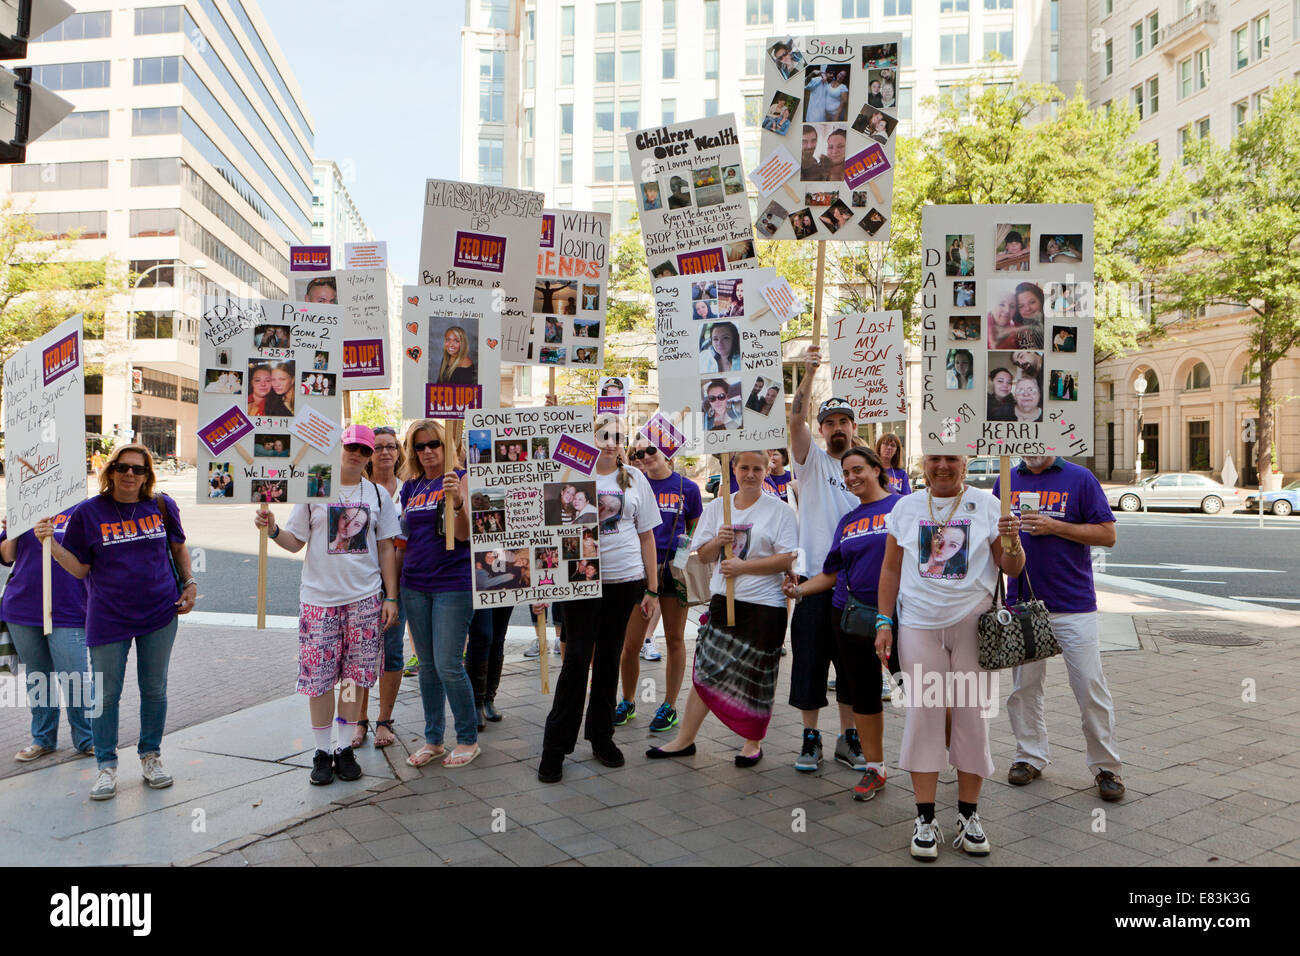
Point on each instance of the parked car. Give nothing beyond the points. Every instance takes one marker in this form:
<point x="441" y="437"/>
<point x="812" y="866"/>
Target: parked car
<point x="1175" y="490"/>
<point x="711" y="486"/>
<point x="1282" y="502"/>
<point x="983" y="471"/>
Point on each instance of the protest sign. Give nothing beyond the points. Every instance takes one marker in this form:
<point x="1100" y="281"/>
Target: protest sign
<point x="265" y="366"/>
<point x="569" y="295"/>
<point x="533" y="505"/>
<point x="309" y="259"/>
<point x="363" y="296"/>
<point x="612" y="395"/>
<point x="485" y="237"/>
<point x="45" y="427"/>
<point x="719" y="362"/>
<point x="866" y="355"/>
<point x="1007" y="330"/>
<point x="837" y="97"/>
<point x="451" y="351"/>
<point x="365" y="255"/>
<point x="663" y="434"/>
<point x="691" y="197"/>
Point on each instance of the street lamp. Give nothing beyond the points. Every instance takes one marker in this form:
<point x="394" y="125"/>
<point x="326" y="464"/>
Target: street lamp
<point x="1139" y="386"/>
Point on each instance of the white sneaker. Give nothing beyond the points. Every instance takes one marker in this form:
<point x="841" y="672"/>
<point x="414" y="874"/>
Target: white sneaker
<point x="152" y="769"/>
<point x="533" y="651"/>
<point x="925" y="839"/>
<point x="649" y="652"/>
<point x="886" y="688"/>
<point x="970" y="836"/>
<point x="555" y="647"/>
<point x="105" y="787"/>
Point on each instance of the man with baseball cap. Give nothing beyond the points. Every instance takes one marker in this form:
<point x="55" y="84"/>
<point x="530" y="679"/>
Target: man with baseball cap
<point x="823" y="500"/>
<point x="348" y="596"/>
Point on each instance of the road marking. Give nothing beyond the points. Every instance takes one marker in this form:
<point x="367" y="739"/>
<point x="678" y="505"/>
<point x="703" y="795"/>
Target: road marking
<point x="1244" y="597"/>
<point x="1194" y="569"/>
<point x="1142" y="577"/>
<point x="1190" y="597"/>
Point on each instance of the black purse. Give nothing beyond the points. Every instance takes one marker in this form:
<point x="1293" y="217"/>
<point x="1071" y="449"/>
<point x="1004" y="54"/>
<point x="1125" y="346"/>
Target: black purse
<point x="1015" y="634"/>
<point x="858" y="619"/>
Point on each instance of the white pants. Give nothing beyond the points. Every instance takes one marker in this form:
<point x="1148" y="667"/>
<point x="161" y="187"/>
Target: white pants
<point x="1077" y="634"/>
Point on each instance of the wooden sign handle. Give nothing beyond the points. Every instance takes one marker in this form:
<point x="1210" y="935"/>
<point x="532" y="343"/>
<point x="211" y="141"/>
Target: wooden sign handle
<point x="243" y="453"/>
<point x="724" y="486"/>
<point x="543" y="652"/>
<point x="817" y="314"/>
<point x="261" y="573"/>
<point x="875" y="191"/>
<point x="1004" y="497"/>
<point x="302" y="453"/>
<point x="47" y="584"/>
<point x="449" y="468"/>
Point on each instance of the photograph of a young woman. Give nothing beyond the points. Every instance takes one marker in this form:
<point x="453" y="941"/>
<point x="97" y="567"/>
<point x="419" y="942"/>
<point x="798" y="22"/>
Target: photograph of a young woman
<point x="960" y="372"/>
<point x="456" y="367"/>
<point x="943" y="552"/>
<point x="1001" y="406"/>
<point x="347" y="529"/>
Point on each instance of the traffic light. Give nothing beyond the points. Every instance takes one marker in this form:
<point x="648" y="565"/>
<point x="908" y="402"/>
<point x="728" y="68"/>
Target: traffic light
<point x="27" y="109"/>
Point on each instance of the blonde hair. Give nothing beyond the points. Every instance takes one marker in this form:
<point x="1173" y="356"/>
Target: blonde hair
<point x="605" y="421"/>
<point x="106" y="476"/>
<point x="448" y="364"/>
<point x="411" y="469"/>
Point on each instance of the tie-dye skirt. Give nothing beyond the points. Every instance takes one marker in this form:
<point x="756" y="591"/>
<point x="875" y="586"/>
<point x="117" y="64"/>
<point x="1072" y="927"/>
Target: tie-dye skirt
<point x="736" y="667"/>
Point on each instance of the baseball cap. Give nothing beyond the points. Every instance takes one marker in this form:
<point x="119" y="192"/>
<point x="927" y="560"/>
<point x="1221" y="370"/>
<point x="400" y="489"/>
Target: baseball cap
<point x="835" y="406"/>
<point x="358" y="435"/>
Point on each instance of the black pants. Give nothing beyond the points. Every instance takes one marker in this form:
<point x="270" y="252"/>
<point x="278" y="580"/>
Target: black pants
<point x="857" y="673"/>
<point x="594" y="631"/>
<point x="487" y="651"/>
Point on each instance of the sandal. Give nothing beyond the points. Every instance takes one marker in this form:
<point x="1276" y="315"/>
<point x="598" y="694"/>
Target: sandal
<point x="359" y="735"/>
<point x="392" y="736"/>
<point x="425" y="755"/>
<point x="461" y="759"/>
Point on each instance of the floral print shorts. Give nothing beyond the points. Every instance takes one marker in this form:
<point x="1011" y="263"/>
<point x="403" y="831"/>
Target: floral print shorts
<point x="338" y="643"/>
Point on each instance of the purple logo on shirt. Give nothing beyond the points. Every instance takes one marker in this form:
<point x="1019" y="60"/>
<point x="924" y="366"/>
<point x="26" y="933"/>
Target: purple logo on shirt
<point x="476" y="251"/>
<point x="575" y="454"/>
<point x="60" y="358"/>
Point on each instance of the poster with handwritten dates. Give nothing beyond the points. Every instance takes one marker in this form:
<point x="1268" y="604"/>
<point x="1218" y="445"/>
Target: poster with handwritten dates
<point x="1007" y="330"/>
<point x="867" y="364"/>
<point x="534" y="529"/>
<point x="485" y="237"/>
<point x="45" y="427"/>
<point x="569" y="296"/>
<point x="270" y="400"/>
<point x="720" y="361"/>
<point x="830" y="103"/>
<point x="363" y="296"/>
<point x="451" y="351"/>
<point x="690" y="195"/>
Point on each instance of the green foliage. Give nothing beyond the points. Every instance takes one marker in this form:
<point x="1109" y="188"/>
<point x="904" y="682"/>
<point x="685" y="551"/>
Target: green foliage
<point x="630" y="306"/>
<point x="375" y="408"/>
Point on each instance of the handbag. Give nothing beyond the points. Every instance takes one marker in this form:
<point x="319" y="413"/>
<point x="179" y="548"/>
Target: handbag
<point x="8" y="652"/>
<point x="858" y="619"/>
<point x="690" y="575"/>
<point x="171" y="531"/>
<point x="1015" y="634"/>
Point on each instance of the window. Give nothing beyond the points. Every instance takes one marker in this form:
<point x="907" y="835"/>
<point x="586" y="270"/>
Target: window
<point x="153" y="222"/>
<point x="79" y="26"/>
<point x="566" y="21"/>
<point x="1240" y="115"/>
<point x="566" y="169"/>
<point x="754" y="110"/>
<point x="1194" y="73"/>
<point x="498" y="13"/>
<point x="1153" y="95"/>
<point x="1137" y="32"/>
<point x="1137" y="102"/>
<point x="1259" y="36"/>
<point x="566" y="69"/>
<point x="1203" y="127"/>
<point x="529" y="123"/>
<point x="631" y="10"/>
<point x="72" y="76"/>
<point x="670" y="14"/>
<point x="629" y="64"/>
<point x="605" y="67"/>
<point x="855" y="9"/>
<point x="1054" y="12"/>
<point x="905" y="50"/>
<point x="92" y="124"/>
<point x="151" y="325"/>
<point x="668" y="111"/>
<point x="566" y="120"/>
<point x="155" y="121"/>
<point x="758" y="11"/>
<point x="604" y="18"/>
<point x="1198" y="446"/>
<point x="603" y="166"/>
<point x="629" y="115"/>
<point x="38" y="177"/>
<point x="801" y="9"/>
<point x="1000" y="42"/>
<point x="157" y="20"/>
<point x="710" y="107"/>
<point x="1153" y="31"/>
<point x="1108" y="58"/>
<point x="1250" y="373"/>
<point x="1153" y="383"/>
<point x="624" y="166"/>
<point x="959" y="96"/>
<point x="905" y="104"/>
<point x="491" y="86"/>
<point x="1240" y="48"/>
<point x="491" y="162"/>
<point x="1054" y="71"/>
<point x="1000" y="5"/>
<point x="605" y="116"/>
<point x="156" y="172"/>
<point x="1257" y="102"/>
<point x="754" y="58"/>
<point x="528" y="171"/>
<point x="1110" y="7"/>
<point x="954" y="48"/>
<point x="1184" y="140"/>
<point x="154" y="272"/>
<point x="954" y="6"/>
<point x="710" y="14"/>
<point x="670" y="64"/>
<point x="711" y="64"/>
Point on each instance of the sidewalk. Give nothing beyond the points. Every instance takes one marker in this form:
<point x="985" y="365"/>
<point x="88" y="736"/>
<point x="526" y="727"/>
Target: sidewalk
<point x="1211" y="779"/>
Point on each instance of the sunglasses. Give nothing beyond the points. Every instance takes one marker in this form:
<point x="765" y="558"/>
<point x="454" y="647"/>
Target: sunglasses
<point x="644" y="453"/>
<point x="122" y="468"/>
<point x="356" y="448"/>
<point x="717" y="398"/>
<point x="420" y="446"/>
<point x="386" y="447"/>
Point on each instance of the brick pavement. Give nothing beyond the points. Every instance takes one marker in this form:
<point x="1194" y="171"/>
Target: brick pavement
<point x="1212" y="779"/>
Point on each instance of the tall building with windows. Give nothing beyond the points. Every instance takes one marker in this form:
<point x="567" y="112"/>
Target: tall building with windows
<point x="188" y="158"/>
<point x="1191" y="70"/>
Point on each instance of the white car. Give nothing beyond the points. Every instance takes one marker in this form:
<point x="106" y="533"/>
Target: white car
<point x="1175" y="490"/>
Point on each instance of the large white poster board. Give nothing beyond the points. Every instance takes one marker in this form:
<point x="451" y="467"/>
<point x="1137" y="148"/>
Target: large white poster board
<point x="1007" y="330"/>
<point x="270" y="400"/>
<point x="485" y="237"/>
<point x="690" y="193"/>
<point x="45" y="427"/>
<point x="570" y="292"/>
<point x="363" y="296"/>
<point x="830" y="103"/>
<point x="720" y="376"/>
<point x="451" y="347"/>
<point x="867" y="364"/>
<point x="534" y="529"/>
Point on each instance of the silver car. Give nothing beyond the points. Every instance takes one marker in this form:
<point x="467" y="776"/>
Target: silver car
<point x="1175" y="490"/>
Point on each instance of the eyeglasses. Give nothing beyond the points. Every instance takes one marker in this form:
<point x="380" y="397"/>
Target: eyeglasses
<point x="644" y="453"/>
<point x="391" y="449"/>
<point x="122" y="468"/>
<point x="356" y="448"/>
<point x="420" y="446"/>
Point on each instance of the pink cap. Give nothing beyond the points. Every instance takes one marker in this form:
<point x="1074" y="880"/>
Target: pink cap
<point x="359" y="435"/>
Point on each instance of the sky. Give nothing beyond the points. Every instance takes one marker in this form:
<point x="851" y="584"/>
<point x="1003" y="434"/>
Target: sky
<point x="382" y="85"/>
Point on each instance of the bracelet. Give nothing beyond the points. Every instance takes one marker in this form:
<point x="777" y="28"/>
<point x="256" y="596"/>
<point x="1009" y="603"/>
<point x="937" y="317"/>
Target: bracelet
<point x="653" y="594"/>
<point x="274" y="534"/>
<point x="185" y="584"/>
<point x="394" y="600"/>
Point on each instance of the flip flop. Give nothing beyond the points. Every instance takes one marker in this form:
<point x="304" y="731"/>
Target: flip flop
<point x="424" y="755"/>
<point x="460" y="760"/>
<point x="387" y="725"/>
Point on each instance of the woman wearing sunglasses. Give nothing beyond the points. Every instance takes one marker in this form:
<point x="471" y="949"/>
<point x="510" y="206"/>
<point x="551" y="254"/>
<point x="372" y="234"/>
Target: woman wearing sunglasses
<point x="680" y="506"/>
<point x="436" y="593"/>
<point x="348" y="597"/>
<point x="128" y="545"/>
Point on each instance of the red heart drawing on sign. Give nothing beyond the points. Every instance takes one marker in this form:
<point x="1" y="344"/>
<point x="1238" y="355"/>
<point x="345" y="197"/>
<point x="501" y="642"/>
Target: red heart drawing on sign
<point x="969" y="445"/>
<point x="1051" y="448"/>
<point x="413" y="299"/>
<point x="415" y="352"/>
<point x="492" y="343"/>
<point x="413" y="328"/>
<point x="507" y="431"/>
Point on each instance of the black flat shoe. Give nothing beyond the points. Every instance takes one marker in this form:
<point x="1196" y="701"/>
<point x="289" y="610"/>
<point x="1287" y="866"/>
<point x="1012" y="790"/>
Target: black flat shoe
<point x="658" y="753"/>
<point x="551" y="769"/>
<point x="608" y="754"/>
<point x="743" y="761"/>
<point x="490" y="712"/>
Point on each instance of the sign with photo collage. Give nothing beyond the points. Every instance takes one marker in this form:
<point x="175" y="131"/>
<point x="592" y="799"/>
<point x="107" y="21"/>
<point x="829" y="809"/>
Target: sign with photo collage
<point x="534" y="530"/>
<point x="1007" y="330"/>
<point x="569" y="295"/>
<point x="270" y="400"/>
<point x="451" y="351"/>
<point x="830" y="117"/>
<point x="485" y="237"/>
<point x="720" y="376"/>
<point x="363" y="296"/>
<point x="690" y="195"/>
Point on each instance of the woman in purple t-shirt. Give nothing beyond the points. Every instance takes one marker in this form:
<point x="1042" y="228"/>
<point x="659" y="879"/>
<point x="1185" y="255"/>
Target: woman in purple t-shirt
<point x="123" y="544"/>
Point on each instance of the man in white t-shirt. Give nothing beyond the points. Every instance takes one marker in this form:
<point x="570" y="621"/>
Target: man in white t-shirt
<point x="823" y="500"/>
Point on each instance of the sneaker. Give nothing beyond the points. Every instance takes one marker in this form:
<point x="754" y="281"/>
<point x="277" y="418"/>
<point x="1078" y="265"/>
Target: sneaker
<point x="411" y="667"/>
<point x="624" y="712"/>
<point x="868" y="786"/>
<point x="665" y="719"/>
<point x="322" y="768"/>
<point x="886" y="688"/>
<point x="810" y="757"/>
<point x="535" y="650"/>
<point x="152" y="769"/>
<point x="649" y="652"/>
<point x="1110" y="786"/>
<point x="925" y="839"/>
<point x="345" y="764"/>
<point x="555" y="647"/>
<point x="970" y="836"/>
<point x="848" y="751"/>
<point x="105" y="787"/>
<point x="832" y="684"/>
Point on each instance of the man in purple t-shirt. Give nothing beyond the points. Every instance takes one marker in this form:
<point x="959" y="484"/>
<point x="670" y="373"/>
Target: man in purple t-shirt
<point x="1071" y="516"/>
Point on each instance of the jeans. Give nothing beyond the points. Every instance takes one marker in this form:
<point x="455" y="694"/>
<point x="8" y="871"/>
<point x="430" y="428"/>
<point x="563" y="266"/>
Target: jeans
<point x="153" y="652"/>
<point x="439" y="628"/>
<point x="487" y="651"/>
<point x="53" y="663"/>
<point x="393" y="638"/>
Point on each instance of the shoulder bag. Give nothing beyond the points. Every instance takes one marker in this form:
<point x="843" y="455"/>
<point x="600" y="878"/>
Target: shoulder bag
<point x="162" y="501"/>
<point x="1015" y="634"/>
<point x="691" y="576"/>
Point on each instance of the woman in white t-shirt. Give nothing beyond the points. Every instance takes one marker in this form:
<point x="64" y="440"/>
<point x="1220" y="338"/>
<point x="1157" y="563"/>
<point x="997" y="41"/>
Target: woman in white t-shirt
<point x="736" y="665"/>
<point x="942" y="562"/>
<point x="594" y="627"/>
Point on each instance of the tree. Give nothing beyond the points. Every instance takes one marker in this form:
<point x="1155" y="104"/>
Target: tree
<point x="630" y="305"/>
<point x="1239" y="242"/>
<point x="375" y="408"/>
